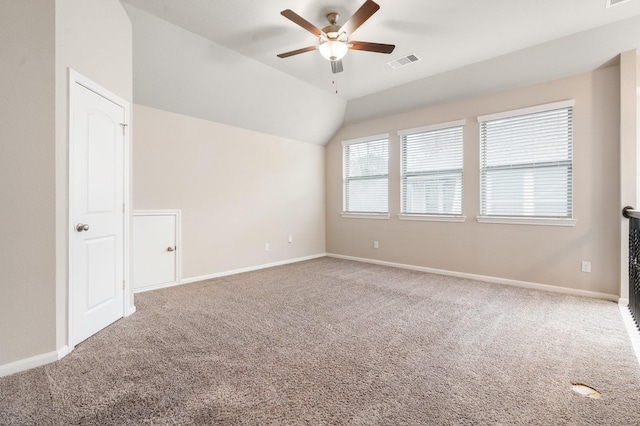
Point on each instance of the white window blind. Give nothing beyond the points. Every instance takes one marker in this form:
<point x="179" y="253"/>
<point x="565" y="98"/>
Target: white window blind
<point x="432" y="170"/>
<point x="526" y="161"/>
<point x="366" y="176"/>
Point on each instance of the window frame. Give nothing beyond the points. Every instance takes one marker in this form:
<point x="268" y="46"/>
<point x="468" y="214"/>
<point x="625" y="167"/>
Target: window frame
<point x="363" y="215"/>
<point x="528" y="220"/>
<point x="437" y="217"/>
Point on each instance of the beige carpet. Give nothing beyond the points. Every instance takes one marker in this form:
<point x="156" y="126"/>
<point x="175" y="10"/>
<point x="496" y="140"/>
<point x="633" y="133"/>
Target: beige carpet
<point x="337" y="342"/>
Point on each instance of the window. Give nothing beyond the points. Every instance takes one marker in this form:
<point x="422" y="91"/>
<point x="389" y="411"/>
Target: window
<point x="526" y="165"/>
<point x="431" y="170"/>
<point x="366" y="176"/>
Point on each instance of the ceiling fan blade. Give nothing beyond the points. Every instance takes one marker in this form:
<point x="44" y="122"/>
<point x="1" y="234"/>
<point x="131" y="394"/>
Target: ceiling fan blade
<point x="365" y="12"/>
<point x="290" y="14"/>
<point x="371" y="47"/>
<point x="336" y="66"/>
<point x="297" y="52"/>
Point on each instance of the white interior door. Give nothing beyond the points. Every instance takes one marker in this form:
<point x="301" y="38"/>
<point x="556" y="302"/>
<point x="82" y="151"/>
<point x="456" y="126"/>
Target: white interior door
<point x="155" y="250"/>
<point x="97" y="212"/>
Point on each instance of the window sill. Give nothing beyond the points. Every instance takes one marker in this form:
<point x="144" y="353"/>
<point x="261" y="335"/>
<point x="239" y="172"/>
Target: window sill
<point x="544" y="221"/>
<point x="432" y="217"/>
<point x="366" y="215"/>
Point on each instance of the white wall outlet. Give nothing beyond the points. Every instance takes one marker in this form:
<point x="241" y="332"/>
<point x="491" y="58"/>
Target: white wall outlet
<point x="266" y="246"/>
<point x="586" y="266"/>
<point x="290" y="239"/>
<point x="376" y="245"/>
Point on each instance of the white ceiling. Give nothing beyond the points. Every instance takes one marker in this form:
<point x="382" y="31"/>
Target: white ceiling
<point x="446" y="35"/>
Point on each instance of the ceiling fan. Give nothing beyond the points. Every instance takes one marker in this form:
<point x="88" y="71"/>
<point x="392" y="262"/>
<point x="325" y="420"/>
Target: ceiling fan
<point x="334" y="39"/>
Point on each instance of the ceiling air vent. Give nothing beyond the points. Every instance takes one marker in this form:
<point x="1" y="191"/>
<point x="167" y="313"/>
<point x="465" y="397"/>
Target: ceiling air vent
<point x="611" y="3"/>
<point x="409" y="59"/>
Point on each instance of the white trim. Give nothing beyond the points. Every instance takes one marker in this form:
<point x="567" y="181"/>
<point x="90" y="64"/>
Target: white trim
<point x="63" y="351"/>
<point x="551" y="221"/>
<point x="33" y="362"/>
<point x="156" y="212"/>
<point x="157" y="286"/>
<point x="483" y="278"/>
<point x="431" y="127"/>
<point x="366" y="215"/>
<point x="178" y="218"/>
<point x="432" y="217"/>
<point x="251" y="268"/>
<point x="28" y="363"/>
<point x="366" y="139"/>
<point x="74" y="78"/>
<point x="528" y="110"/>
<point x="630" y="325"/>
<point x="129" y="308"/>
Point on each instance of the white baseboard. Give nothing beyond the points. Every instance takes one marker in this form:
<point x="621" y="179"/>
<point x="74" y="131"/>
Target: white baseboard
<point x="156" y="287"/>
<point x="632" y="329"/>
<point x="130" y="311"/>
<point x="249" y="269"/>
<point x="496" y="280"/>
<point x="31" y="362"/>
<point x="63" y="351"/>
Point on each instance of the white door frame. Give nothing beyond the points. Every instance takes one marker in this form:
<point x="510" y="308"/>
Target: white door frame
<point x="76" y="79"/>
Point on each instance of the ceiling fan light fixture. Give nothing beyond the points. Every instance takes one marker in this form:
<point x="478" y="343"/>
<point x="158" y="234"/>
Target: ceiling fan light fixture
<point x="333" y="50"/>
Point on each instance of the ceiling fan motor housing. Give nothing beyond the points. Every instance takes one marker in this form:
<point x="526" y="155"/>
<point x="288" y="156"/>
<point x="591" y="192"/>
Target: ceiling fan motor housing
<point x="333" y="43"/>
<point x="333" y="17"/>
<point x="332" y="32"/>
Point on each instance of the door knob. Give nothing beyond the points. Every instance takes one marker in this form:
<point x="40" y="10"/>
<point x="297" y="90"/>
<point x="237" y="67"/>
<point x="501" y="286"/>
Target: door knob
<point x="171" y="249"/>
<point x="82" y="227"/>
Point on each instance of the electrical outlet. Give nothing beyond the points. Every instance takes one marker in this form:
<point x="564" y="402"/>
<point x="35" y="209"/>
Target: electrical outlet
<point x="290" y="239"/>
<point x="266" y="246"/>
<point x="586" y="266"/>
<point x="376" y="245"/>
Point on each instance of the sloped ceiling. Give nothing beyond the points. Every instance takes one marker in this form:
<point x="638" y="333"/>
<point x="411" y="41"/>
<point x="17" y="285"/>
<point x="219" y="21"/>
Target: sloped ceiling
<point x="216" y="59"/>
<point x="179" y="71"/>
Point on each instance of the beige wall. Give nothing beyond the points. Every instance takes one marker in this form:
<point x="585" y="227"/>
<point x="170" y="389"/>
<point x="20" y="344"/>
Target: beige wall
<point x="27" y="179"/>
<point x="536" y="254"/>
<point x="40" y="39"/>
<point x="238" y="189"/>
<point x="628" y="155"/>
<point x="95" y="39"/>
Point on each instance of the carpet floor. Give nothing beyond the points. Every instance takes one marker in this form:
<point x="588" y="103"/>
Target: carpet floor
<point x="330" y="341"/>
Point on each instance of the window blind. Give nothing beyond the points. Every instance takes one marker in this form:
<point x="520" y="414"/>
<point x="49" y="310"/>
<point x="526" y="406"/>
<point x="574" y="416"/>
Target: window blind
<point x="432" y="171"/>
<point x="526" y="165"/>
<point x="366" y="176"/>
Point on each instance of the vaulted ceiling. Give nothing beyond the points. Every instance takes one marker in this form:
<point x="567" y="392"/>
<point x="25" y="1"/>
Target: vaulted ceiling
<point x="465" y="48"/>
